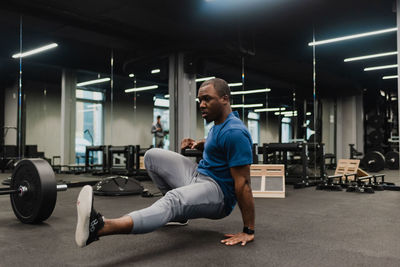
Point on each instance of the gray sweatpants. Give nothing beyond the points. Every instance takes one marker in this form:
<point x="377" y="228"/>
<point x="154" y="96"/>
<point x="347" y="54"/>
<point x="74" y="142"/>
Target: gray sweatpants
<point x="188" y="193"/>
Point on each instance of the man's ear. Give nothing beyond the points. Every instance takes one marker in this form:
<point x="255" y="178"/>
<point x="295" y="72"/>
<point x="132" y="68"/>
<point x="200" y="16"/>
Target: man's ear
<point x="226" y="98"/>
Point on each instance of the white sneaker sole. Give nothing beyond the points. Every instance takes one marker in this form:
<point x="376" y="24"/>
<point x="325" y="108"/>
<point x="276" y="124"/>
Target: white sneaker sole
<point x="177" y="223"/>
<point x="84" y="206"/>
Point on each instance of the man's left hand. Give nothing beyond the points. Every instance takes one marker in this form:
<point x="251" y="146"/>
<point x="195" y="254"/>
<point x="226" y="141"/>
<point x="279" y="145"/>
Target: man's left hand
<point x="234" y="239"/>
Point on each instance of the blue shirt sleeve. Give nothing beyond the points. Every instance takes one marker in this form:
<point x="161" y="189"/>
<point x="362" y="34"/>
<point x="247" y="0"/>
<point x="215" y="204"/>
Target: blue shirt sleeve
<point x="238" y="147"/>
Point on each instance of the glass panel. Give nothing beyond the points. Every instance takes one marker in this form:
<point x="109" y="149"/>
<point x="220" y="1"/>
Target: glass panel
<point x="9" y="83"/>
<point x="89" y="129"/>
<point x="353" y="114"/>
<point x="163" y="112"/>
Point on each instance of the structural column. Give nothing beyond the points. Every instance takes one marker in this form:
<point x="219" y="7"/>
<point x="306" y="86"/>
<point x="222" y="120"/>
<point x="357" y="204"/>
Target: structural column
<point x="182" y="91"/>
<point x="68" y="113"/>
<point x="398" y="62"/>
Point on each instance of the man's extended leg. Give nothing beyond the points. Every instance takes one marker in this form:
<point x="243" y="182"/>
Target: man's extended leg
<point x="202" y="199"/>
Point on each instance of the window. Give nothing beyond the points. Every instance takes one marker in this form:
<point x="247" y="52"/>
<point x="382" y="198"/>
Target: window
<point x="89" y="123"/>
<point x="253" y="126"/>
<point x="286" y="130"/>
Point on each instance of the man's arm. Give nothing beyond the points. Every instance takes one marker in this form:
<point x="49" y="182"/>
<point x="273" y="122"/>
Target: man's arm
<point x="153" y="129"/>
<point x="244" y="195"/>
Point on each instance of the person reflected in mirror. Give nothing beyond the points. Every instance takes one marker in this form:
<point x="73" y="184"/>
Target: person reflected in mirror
<point x="158" y="132"/>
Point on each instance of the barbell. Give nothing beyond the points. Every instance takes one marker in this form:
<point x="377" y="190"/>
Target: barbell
<point x="33" y="190"/>
<point x="374" y="161"/>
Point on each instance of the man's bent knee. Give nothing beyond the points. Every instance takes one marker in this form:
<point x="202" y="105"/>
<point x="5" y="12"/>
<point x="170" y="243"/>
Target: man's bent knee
<point x="151" y="156"/>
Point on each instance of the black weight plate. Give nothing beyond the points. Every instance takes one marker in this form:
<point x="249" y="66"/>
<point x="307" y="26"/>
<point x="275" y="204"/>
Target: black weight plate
<point x="392" y="160"/>
<point x="375" y="137"/>
<point x="374" y="161"/>
<point x="375" y="121"/>
<point x="38" y="203"/>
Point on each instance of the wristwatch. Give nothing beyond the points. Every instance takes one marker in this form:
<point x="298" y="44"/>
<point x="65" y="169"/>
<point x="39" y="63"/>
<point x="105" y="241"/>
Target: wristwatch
<point x="248" y="231"/>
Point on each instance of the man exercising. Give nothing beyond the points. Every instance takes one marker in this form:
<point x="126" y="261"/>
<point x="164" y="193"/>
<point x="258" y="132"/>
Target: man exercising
<point x="207" y="190"/>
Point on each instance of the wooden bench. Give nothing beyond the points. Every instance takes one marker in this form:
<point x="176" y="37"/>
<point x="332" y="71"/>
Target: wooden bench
<point x="268" y="180"/>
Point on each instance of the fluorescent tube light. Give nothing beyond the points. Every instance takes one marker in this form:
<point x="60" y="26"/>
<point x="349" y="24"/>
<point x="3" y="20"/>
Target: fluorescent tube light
<point x="144" y="88"/>
<point x="285" y="112"/>
<point x="204" y="79"/>
<point x="131" y="75"/>
<point x="390" y="77"/>
<point x="235" y="84"/>
<point x="269" y="109"/>
<point x="308" y="113"/>
<point x="161" y="102"/>
<point x="251" y="91"/>
<point x="94" y="81"/>
<point x="155" y="71"/>
<point x="254" y="116"/>
<point x="166" y="96"/>
<point x="348" y="37"/>
<point x="370" y="56"/>
<point x="35" y="51"/>
<point x="381" y="67"/>
<point x="246" y="105"/>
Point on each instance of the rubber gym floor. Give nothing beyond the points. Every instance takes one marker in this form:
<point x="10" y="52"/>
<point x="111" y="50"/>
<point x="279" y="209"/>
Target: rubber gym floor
<point x="307" y="228"/>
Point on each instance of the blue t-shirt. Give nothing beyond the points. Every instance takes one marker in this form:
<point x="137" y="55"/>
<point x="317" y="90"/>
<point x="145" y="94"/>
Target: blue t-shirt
<point x="228" y="145"/>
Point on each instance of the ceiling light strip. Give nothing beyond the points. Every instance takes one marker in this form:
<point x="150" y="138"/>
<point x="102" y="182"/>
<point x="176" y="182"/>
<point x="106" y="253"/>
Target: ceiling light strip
<point x="35" y="51"/>
<point x="138" y="89"/>
<point x="246" y="105"/>
<point x="370" y="56"/>
<point x="94" y="81"/>
<point x="381" y="67"/>
<point x="348" y="37"/>
<point x="251" y="91"/>
<point x="235" y="84"/>
<point x="390" y="77"/>
<point x="204" y="79"/>
<point x="269" y="109"/>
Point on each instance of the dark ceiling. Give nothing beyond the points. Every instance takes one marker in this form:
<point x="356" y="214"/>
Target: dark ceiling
<point x="271" y="36"/>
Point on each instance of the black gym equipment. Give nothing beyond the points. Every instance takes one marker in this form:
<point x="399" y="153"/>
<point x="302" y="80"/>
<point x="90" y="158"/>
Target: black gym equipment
<point x="354" y="154"/>
<point x="373" y="161"/>
<point x="376" y="137"/>
<point x="118" y="186"/>
<point x="33" y="190"/>
<point x="89" y="160"/>
<point x="359" y="185"/>
<point x="277" y="153"/>
<point x="392" y="160"/>
<point x="129" y="155"/>
<point x="376" y="121"/>
<point x="193" y="153"/>
<point x="329" y="185"/>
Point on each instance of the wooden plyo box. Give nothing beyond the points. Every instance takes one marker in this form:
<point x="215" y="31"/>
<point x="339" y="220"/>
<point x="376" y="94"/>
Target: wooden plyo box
<point x="141" y="163"/>
<point x="268" y="180"/>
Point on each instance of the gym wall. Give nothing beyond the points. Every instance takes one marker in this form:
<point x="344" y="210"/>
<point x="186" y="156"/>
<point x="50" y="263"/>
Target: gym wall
<point x="128" y="127"/>
<point x="328" y="125"/>
<point x="269" y="133"/>
<point x="43" y="111"/>
<point x="10" y="113"/>
<point x="350" y="126"/>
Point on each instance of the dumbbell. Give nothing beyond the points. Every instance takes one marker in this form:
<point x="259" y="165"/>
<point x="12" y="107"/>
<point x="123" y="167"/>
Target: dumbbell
<point x="33" y="190"/>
